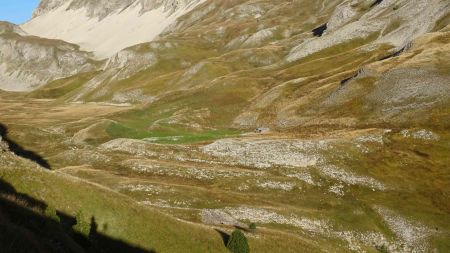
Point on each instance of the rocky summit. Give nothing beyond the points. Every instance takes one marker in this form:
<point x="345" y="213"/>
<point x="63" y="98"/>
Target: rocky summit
<point x="226" y="126"/>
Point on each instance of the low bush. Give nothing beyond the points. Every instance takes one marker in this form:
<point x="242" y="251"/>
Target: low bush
<point x="238" y="242"/>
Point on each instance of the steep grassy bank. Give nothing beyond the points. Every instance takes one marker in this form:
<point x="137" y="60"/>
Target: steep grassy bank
<point x="121" y="218"/>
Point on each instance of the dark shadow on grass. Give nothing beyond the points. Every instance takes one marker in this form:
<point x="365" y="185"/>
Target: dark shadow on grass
<point x="7" y="189"/>
<point x="224" y="235"/>
<point x="347" y="80"/>
<point x="20" y="151"/>
<point x="319" y="31"/>
<point x="25" y="229"/>
<point x="398" y="53"/>
<point x="377" y="2"/>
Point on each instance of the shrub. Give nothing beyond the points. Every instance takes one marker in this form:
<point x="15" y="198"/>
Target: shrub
<point x="50" y="212"/>
<point x="238" y="243"/>
<point x="382" y="249"/>
<point x="252" y="226"/>
<point x="81" y="226"/>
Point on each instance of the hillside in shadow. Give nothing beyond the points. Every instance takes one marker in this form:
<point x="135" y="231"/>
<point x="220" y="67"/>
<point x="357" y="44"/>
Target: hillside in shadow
<point x="27" y="227"/>
<point x="20" y="151"/>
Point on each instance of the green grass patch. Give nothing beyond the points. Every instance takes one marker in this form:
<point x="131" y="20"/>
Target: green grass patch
<point x="173" y="136"/>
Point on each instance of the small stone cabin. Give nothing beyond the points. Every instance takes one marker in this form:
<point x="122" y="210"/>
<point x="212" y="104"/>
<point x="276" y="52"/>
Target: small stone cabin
<point x="262" y="130"/>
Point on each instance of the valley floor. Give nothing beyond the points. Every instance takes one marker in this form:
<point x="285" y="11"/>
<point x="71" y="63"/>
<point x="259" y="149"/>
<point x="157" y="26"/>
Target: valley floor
<point x="329" y="190"/>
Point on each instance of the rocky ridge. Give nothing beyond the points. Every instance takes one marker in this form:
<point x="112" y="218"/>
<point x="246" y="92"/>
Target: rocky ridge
<point x="28" y="62"/>
<point x="106" y="27"/>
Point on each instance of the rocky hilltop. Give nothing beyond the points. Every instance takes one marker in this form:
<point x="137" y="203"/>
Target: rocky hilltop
<point x="105" y="27"/>
<point x="28" y="62"/>
<point x="6" y="27"/>
<point x="102" y="8"/>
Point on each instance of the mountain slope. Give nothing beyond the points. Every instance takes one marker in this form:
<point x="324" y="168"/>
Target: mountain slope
<point x="106" y="27"/>
<point x="246" y="67"/>
<point x="28" y="62"/>
<point x="123" y="224"/>
<point x="351" y="98"/>
<point x="345" y="190"/>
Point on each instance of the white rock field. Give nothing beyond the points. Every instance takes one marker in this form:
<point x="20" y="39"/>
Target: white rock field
<point x="105" y="37"/>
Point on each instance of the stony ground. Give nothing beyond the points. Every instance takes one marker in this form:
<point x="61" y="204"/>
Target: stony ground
<point x="355" y="189"/>
<point x="356" y="159"/>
